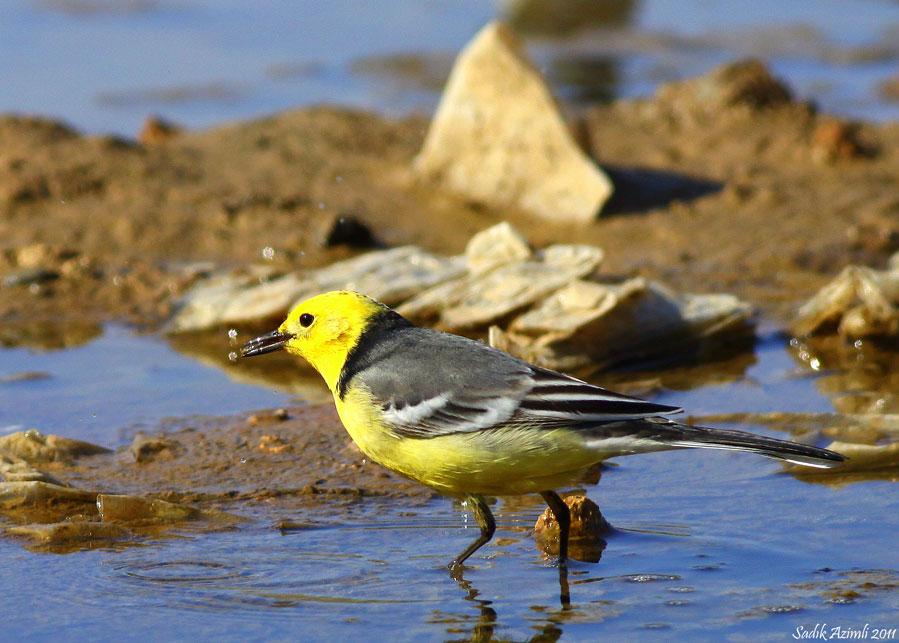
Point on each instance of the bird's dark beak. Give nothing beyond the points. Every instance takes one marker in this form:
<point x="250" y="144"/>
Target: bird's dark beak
<point x="273" y="341"/>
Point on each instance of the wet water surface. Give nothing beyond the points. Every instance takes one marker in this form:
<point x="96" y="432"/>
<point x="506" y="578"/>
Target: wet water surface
<point x="108" y="381"/>
<point x="105" y="65"/>
<point x="707" y="544"/>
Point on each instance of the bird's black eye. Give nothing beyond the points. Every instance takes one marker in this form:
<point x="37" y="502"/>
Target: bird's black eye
<point x="306" y="320"/>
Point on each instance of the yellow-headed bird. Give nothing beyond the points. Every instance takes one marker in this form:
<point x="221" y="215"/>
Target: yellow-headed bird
<point x="469" y="420"/>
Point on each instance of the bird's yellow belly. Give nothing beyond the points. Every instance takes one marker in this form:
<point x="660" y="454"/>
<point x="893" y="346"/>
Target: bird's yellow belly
<point x="502" y="461"/>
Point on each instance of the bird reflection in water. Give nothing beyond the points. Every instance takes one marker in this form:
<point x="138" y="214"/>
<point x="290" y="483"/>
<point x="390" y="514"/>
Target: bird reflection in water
<point x="485" y="628"/>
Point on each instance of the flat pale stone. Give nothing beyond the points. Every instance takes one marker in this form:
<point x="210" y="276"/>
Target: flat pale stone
<point x="574" y="307"/>
<point x="496" y="287"/>
<point x="59" y="532"/>
<point x="33" y="446"/>
<point x="859" y="302"/>
<point x="496" y="246"/>
<point x="576" y="258"/>
<point x="124" y="508"/>
<point x="16" y="469"/>
<point x="426" y="305"/>
<point x="588" y="322"/>
<point x="234" y="299"/>
<point x="29" y="493"/>
<point x="708" y="314"/>
<point x="505" y="290"/>
<point x="121" y="508"/>
<point x="390" y="276"/>
<point x="498" y="137"/>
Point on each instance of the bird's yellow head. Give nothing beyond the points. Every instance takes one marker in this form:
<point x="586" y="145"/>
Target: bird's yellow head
<point x="322" y="330"/>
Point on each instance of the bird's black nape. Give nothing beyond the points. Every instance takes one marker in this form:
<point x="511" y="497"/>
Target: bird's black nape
<point x="382" y="323"/>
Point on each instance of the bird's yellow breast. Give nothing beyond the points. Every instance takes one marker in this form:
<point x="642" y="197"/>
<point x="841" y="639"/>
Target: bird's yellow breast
<point x="499" y="461"/>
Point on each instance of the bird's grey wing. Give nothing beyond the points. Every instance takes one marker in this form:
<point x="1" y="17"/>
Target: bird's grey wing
<point x="472" y="387"/>
<point x="478" y="388"/>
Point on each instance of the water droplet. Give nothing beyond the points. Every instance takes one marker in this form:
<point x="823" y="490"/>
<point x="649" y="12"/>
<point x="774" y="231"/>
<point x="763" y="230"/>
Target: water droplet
<point x="243" y="460"/>
<point x="815" y="364"/>
<point x="232" y="333"/>
<point x="232" y="356"/>
<point x="858" y="343"/>
<point x="268" y="252"/>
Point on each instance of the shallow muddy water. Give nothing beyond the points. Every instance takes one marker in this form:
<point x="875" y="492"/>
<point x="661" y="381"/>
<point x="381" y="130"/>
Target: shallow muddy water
<point x="707" y="544"/>
<point x="113" y="385"/>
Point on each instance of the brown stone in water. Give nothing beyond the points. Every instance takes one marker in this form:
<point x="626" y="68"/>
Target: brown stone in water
<point x="121" y="508"/>
<point x="148" y="448"/>
<point x="33" y="446"/>
<point x="585" y="540"/>
<point x="274" y="444"/>
<point x="36" y="492"/>
<point x="67" y="531"/>
<point x="278" y="415"/>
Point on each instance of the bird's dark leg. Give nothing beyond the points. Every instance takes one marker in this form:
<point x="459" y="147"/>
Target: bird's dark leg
<point x="485" y="521"/>
<point x="563" y="517"/>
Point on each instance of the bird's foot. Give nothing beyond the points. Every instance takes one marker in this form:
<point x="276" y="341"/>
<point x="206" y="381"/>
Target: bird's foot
<point x="455" y="570"/>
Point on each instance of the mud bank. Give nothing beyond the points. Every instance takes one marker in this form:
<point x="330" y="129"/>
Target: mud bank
<point x="722" y="183"/>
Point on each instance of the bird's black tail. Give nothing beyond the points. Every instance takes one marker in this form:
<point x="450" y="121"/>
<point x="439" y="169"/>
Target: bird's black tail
<point x="686" y="436"/>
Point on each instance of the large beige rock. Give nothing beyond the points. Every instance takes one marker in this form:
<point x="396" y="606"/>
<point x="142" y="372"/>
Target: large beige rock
<point x="498" y="136"/>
